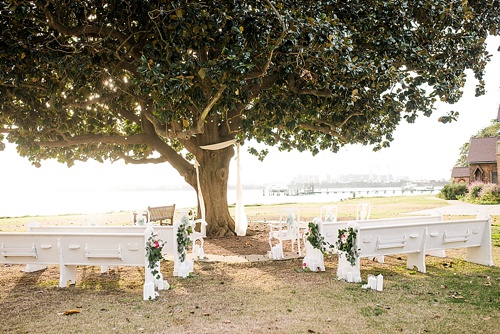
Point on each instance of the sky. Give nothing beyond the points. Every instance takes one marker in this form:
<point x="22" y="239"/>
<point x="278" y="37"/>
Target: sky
<point x="425" y="149"/>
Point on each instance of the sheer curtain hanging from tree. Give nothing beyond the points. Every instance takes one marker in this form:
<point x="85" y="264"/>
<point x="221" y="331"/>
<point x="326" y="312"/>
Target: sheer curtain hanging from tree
<point x="241" y="222"/>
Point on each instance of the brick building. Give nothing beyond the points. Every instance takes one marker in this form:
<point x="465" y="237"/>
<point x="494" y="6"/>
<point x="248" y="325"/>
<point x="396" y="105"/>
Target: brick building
<point x="484" y="161"/>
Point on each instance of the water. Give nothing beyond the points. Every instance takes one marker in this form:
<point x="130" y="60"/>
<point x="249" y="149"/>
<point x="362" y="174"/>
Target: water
<point x="35" y="202"/>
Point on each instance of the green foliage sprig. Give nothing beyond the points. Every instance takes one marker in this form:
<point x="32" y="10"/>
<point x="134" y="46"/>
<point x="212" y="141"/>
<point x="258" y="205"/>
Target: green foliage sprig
<point x="346" y="242"/>
<point x="154" y="247"/>
<point x="316" y="239"/>
<point x="183" y="240"/>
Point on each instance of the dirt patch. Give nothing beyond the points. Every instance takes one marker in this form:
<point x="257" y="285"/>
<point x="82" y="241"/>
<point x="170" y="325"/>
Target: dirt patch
<point x="255" y="242"/>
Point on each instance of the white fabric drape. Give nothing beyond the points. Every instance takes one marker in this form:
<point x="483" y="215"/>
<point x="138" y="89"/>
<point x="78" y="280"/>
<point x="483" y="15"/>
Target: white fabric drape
<point x="241" y="222"/>
<point x="219" y="146"/>
<point x="200" y="194"/>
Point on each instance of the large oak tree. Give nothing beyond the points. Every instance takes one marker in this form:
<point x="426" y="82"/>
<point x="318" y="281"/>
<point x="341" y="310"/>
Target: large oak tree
<point x="154" y="81"/>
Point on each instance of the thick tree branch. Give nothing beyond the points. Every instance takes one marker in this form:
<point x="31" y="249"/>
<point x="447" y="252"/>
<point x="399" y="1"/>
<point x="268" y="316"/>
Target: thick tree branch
<point x="23" y="85"/>
<point x="298" y="91"/>
<point x="262" y="72"/>
<point x="134" y="161"/>
<point x="198" y="127"/>
<point x="102" y="31"/>
<point x="328" y="128"/>
<point x="67" y="141"/>
<point x="323" y="129"/>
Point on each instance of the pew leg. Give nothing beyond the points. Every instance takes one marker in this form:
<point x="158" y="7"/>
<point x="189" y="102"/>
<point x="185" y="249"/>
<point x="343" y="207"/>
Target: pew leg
<point x="416" y="260"/>
<point x="480" y="255"/>
<point x="67" y="274"/>
<point x="34" y="267"/>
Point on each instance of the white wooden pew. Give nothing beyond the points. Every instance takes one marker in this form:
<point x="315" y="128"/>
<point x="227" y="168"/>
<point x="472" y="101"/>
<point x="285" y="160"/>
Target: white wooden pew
<point x="472" y="234"/>
<point x="69" y="250"/>
<point x="165" y="233"/>
<point x="70" y="247"/>
<point x="330" y="230"/>
<point x="415" y="239"/>
<point x="416" y="236"/>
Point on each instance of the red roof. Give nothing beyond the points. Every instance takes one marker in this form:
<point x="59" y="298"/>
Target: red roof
<point x="483" y="150"/>
<point x="460" y="172"/>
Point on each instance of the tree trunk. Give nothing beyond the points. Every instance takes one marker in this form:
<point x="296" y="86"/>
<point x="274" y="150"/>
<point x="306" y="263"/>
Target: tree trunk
<point x="214" y="172"/>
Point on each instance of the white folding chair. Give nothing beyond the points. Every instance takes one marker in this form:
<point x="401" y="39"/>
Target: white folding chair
<point x="197" y="235"/>
<point x="287" y="229"/>
<point x="363" y="211"/>
<point x="328" y="213"/>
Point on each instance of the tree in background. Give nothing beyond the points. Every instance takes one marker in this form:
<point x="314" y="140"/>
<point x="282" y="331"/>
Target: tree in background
<point x="155" y="81"/>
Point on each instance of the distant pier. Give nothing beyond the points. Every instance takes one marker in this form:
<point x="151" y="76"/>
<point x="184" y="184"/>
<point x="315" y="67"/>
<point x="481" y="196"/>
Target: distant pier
<point x="311" y="190"/>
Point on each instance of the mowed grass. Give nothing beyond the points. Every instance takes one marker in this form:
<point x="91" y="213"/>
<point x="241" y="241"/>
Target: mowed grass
<point x="454" y="296"/>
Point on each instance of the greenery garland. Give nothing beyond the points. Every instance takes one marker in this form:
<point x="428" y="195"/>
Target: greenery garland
<point x="346" y="242"/>
<point x="154" y="247"/>
<point x="315" y="238"/>
<point x="183" y="240"/>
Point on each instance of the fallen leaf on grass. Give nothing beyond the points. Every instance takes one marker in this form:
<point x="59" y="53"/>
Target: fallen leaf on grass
<point x="69" y="312"/>
<point x="486" y="318"/>
<point x="227" y="321"/>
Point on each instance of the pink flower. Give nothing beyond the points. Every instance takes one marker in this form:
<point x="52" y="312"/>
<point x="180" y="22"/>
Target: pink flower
<point x="304" y="264"/>
<point x="156" y="244"/>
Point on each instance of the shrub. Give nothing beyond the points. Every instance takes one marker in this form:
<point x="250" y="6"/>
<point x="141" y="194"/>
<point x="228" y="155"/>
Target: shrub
<point x="490" y="193"/>
<point x="452" y="191"/>
<point x="474" y="189"/>
<point x="483" y="193"/>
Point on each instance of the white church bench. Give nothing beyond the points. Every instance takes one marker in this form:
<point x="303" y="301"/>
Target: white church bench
<point x="414" y="236"/>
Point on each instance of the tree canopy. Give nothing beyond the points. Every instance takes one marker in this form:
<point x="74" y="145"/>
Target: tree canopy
<point x="154" y="81"/>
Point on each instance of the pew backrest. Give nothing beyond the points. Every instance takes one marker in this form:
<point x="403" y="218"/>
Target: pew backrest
<point x="165" y="233"/>
<point x="125" y="249"/>
<point x="330" y="230"/>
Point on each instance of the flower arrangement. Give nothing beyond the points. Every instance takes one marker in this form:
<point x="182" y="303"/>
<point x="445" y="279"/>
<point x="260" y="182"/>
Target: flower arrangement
<point x="346" y="243"/>
<point x="154" y="246"/>
<point x="183" y="232"/>
<point x="315" y="238"/>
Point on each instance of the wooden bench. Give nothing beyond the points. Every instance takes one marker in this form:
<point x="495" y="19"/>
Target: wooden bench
<point x="161" y="214"/>
<point x="165" y="233"/>
<point x="415" y="236"/>
<point x="72" y="246"/>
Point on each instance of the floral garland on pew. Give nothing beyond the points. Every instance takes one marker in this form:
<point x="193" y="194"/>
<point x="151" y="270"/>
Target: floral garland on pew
<point x="315" y="238"/>
<point x="346" y="241"/>
<point x="154" y="247"/>
<point x="183" y="241"/>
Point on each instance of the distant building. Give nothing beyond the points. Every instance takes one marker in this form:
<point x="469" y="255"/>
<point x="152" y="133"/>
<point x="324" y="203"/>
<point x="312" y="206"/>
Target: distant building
<point x="484" y="161"/>
<point x="460" y="175"/>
